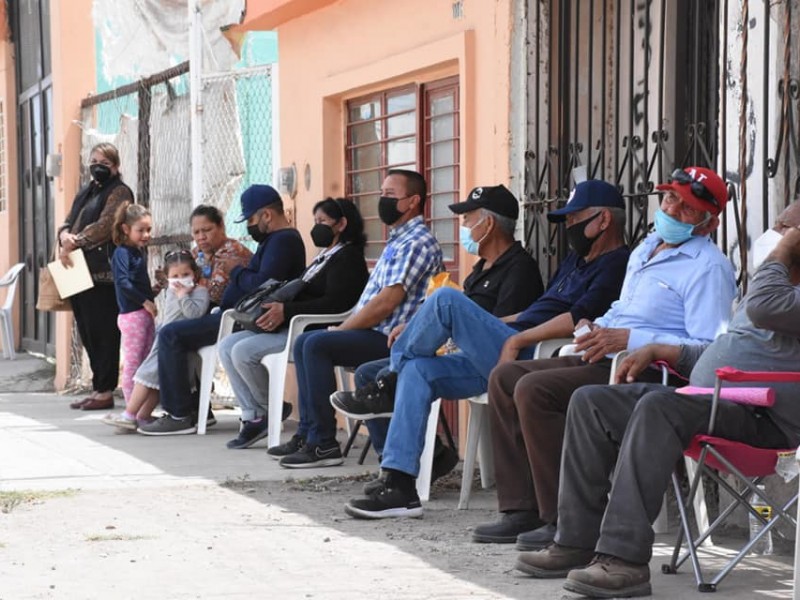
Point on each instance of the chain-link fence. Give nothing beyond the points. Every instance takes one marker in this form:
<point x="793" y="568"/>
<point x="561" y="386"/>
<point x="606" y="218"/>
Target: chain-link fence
<point x="148" y="121"/>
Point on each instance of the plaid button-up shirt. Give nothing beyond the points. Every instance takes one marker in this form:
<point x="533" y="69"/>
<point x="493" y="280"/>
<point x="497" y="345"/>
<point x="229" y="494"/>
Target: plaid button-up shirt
<point x="411" y="256"/>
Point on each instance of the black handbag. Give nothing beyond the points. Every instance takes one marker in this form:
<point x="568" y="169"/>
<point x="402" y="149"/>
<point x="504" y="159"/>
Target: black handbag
<point x="248" y="310"/>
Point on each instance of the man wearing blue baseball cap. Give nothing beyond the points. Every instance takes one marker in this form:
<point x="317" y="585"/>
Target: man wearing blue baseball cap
<point x="280" y="255"/>
<point x="678" y="289"/>
<point x="584" y="286"/>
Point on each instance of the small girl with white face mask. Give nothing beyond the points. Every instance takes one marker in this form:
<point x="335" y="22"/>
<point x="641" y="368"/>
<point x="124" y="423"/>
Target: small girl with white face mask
<point x="184" y="300"/>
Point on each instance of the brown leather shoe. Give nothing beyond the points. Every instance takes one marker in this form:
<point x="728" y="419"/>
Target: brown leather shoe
<point x="98" y="404"/>
<point x="79" y="404"/>
<point x="554" y="561"/>
<point x="610" y="577"/>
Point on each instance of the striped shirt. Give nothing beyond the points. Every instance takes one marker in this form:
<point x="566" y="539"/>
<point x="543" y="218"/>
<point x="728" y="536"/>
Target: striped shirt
<point x="411" y="256"/>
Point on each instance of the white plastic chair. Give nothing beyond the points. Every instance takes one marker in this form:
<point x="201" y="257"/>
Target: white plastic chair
<point x="479" y="435"/>
<point x="9" y="281"/>
<point x="276" y="364"/>
<point x="208" y="358"/>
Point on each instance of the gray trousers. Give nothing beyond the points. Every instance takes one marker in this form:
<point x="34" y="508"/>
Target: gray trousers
<point x="638" y="432"/>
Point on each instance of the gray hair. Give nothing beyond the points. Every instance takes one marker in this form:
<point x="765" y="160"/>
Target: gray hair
<point x="618" y="218"/>
<point x="507" y="225"/>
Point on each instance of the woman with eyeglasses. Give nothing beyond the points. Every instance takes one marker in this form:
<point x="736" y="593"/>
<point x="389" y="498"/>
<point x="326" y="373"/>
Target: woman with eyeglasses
<point x="88" y="226"/>
<point x="333" y="283"/>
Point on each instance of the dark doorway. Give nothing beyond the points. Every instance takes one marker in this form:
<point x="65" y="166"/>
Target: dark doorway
<point x="31" y="34"/>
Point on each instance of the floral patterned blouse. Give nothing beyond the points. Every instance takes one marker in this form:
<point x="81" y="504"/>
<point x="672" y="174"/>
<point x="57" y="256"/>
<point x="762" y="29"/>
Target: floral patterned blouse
<point x="220" y="275"/>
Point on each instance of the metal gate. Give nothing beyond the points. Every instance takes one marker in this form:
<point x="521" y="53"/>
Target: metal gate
<point x="627" y="90"/>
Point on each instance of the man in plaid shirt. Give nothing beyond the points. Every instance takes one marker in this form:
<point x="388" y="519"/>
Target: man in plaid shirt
<point x="393" y="293"/>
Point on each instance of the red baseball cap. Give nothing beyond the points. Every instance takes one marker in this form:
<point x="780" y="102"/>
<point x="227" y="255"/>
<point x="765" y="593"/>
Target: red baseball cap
<point x="699" y="187"/>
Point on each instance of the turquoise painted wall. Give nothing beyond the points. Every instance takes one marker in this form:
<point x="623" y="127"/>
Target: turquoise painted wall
<point x="255" y="104"/>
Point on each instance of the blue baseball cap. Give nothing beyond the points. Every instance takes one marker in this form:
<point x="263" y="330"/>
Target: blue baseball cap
<point x="255" y="198"/>
<point x="591" y="193"/>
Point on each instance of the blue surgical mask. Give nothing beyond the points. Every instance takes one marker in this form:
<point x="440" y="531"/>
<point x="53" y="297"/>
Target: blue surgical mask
<point x="465" y="238"/>
<point x="671" y="230"/>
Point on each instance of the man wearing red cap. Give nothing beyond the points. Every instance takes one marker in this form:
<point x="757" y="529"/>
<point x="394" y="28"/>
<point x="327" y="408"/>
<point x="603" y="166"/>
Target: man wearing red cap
<point x="678" y="290"/>
<point x="638" y="432"/>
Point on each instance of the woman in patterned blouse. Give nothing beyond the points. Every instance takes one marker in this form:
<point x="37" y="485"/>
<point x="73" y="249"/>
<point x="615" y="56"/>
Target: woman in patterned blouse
<point x="220" y="252"/>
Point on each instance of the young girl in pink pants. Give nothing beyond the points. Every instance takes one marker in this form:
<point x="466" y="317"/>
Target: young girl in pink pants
<point x="137" y="311"/>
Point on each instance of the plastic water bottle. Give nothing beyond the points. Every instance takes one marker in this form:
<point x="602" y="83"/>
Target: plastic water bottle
<point x="764" y="545"/>
<point x="202" y="264"/>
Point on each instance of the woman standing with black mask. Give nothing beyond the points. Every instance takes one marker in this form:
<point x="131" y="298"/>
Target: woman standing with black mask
<point x="88" y="226"/>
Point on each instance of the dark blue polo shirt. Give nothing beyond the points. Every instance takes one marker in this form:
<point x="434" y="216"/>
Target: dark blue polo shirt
<point x="586" y="290"/>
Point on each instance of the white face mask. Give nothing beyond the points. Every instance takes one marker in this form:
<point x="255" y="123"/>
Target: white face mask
<point x="764" y="245"/>
<point x="184" y="281"/>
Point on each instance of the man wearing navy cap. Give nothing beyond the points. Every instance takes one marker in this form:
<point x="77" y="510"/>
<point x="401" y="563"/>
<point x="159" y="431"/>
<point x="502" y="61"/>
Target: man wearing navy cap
<point x="678" y="289"/>
<point x="584" y="286"/>
<point x="280" y="255"/>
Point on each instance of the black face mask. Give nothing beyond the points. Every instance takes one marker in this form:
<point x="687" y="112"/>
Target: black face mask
<point x="100" y="173"/>
<point x="322" y="235"/>
<point x="387" y="210"/>
<point x="254" y="232"/>
<point x="576" y="236"/>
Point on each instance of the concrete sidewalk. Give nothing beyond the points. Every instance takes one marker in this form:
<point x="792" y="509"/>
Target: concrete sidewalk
<point x="183" y="517"/>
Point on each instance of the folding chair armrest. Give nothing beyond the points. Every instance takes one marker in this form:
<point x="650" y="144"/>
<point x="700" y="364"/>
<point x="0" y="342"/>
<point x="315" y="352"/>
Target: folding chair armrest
<point x="731" y="374"/>
<point x="751" y="396"/>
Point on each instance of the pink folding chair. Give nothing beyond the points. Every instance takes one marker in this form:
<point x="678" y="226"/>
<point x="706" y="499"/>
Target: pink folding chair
<point x="747" y="464"/>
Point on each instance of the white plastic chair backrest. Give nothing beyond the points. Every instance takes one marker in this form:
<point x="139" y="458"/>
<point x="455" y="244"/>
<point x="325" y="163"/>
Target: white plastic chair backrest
<point x="225" y="325"/>
<point x="569" y="350"/>
<point x="546" y="348"/>
<point x="300" y="323"/>
<point x="9" y="281"/>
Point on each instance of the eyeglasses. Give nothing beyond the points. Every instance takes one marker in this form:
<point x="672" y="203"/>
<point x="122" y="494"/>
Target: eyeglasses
<point x="177" y="254"/>
<point x="681" y="177"/>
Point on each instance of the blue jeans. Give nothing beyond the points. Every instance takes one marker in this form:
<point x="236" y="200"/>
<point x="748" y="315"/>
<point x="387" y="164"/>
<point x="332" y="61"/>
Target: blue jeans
<point x="240" y="354"/>
<point x="175" y="341"/>
<point x="423" y="376"/>
<point x="316" y="353"/>
<point x="378" y="428"/>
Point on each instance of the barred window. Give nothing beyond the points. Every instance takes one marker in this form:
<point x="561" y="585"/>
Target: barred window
<point x="413" y="127"/>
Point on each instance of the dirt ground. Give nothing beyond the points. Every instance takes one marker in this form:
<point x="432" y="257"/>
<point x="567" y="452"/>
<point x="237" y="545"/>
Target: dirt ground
<point x="286" y="539"/>
<point x="289" y="539"/>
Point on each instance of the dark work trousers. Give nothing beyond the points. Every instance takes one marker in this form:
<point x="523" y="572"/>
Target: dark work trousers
<point x="175" y="341"/>
<point x="316" y="353"/>
<point x="96" y="313"/>
<point x="528" y="409"/>
<point x="639" y="432"/>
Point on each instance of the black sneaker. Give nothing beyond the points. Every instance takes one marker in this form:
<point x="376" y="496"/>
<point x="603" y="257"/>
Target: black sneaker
<point x="388" y="503"/>
<point x="285" y="449"/>
<point x="374" y="400"/>
<point x="211" y="420"/>
<point x="376" y="485"/>
<point x="313" y="455"/>
<point x="249" y="434"/>
<point x="169" y="425"/>
<point x="445" y="460"/>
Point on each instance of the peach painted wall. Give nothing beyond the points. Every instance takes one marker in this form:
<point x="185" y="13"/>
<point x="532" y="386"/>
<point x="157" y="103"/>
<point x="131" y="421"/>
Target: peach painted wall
<point x="354" y="47"/>
<point x="9" y="218"/>
<point x="72" y="36"/>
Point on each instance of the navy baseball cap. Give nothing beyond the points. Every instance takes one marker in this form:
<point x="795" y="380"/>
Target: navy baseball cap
<point x="591" y="193"/>
<point x="255" y="198"/>
<point x="496" y="199"/>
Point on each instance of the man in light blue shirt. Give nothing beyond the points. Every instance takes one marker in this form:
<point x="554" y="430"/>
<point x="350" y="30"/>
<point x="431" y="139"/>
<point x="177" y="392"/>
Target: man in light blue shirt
<point x="678" y="289"/>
